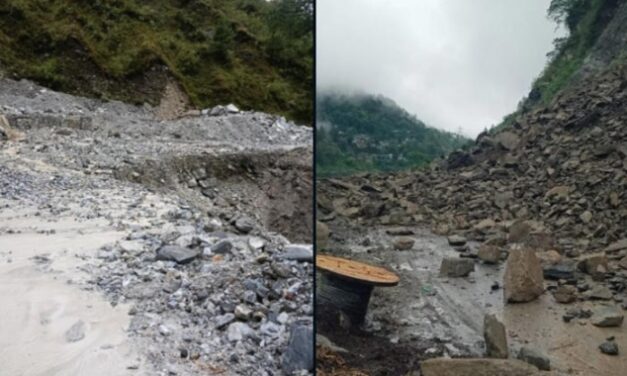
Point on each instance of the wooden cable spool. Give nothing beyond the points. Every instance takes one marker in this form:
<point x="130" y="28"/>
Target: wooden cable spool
<point x="347" y="284"/>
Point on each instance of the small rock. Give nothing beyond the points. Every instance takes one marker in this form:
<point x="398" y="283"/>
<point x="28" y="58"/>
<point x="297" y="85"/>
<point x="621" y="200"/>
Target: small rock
<point x="489" y="254"/>
<point x="564" y="269"/>
<point x="224" y="320"/>
<point x="298" y="252"/>
<point x="609" y="348"/>
<point x="164" y="330"/>
<point x="586" y="216"/>
<point x="495" y="337"/>
<point x="244" y="225"/>
<point x="607" y="316"/>
<point x="177" y="254"/>
<point x="238" y="331"/>
<point x="222" y="247"/>
<point x="565" y="294"/>
<point x="399" y="231"/>
<point x="456" y="267"/>
<point x="600" y="293"/>
<point x="255" y="243"/>
<point x="533" y="357"/>
<point x="270" y="329"/>
<point x="594" y="265"/>
<point x="242" y="312"/>
<point x="456" y="240"/>
<point x="76" y="332"/>
<point x="404" y="243"/>
<point x="231" y="108"/>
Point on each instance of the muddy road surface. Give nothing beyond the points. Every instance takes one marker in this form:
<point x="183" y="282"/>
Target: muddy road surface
<point x="131" y="245"/>
<point x="429" y="316"/>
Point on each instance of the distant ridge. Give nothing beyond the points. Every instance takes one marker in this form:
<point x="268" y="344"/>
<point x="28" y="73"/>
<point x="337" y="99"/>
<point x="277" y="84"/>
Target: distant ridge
<point x="364" y="133"/>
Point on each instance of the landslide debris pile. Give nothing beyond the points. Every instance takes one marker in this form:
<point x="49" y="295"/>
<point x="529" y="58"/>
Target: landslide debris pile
<point x="561" y="168"/>
<point x="216" y="214"/>
<point x="533" y="211"/>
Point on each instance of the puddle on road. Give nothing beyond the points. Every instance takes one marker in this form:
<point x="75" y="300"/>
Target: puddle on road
<point x="39" y="305"/>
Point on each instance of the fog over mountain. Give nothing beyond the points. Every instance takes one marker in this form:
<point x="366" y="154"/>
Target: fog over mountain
<point x="454" y="63"/>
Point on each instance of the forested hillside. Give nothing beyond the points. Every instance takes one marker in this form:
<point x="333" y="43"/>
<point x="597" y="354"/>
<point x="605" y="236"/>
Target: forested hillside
<point x="254" y="53"/>
<point x="357" y="133"/>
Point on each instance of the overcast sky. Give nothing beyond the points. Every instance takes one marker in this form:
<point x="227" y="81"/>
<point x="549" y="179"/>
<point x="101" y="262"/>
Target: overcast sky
<point x="453" y="63"/>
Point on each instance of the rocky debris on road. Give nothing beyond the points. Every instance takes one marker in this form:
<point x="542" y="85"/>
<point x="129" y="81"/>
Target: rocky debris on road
<point x="565" y="294"/>
<point x="609" y="347"/>
<point x="490" y="254"/>
<point x="607" y="316"/>
<point x="456" y="267"/>
<point x="214" y="212"/>
<point x="300" y="351"/>
<point x="404" y="243"/>
<point x="523" y="280"/>
<point x="495" y="337"/>
<point x="554" y="182"/>
<point x="477" y="367"/>
<point x="176" y="253"/>
<point x="546" y="196"/>
<point x="535" y="358"/>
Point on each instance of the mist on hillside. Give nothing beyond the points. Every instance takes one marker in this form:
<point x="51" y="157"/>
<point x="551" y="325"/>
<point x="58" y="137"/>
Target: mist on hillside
<point x="456" y="64"/>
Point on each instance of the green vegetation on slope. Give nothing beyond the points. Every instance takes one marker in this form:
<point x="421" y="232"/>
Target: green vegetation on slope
<point x="585" y="21"/>
<point x="371" y="133"/>
<point x="254" y="53"/>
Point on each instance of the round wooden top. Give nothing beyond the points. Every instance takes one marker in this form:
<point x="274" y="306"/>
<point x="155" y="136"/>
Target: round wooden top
<point x="357" y="271"/>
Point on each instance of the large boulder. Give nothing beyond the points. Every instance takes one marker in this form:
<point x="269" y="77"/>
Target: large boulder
<point x="477" y="367"/>
<point x="523" y="280"/>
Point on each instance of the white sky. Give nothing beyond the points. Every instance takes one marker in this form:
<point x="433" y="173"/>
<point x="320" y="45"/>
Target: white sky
<point x="453" y="63"/>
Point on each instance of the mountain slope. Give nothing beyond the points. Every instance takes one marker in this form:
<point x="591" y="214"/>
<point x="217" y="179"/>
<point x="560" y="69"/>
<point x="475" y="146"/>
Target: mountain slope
<point x="357" y="133"/>
<point x="597" y="38"/>
<point x="253" y="53"/>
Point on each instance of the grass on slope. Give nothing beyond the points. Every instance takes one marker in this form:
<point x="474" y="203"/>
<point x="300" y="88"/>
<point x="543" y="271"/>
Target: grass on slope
<point x="585" y="20"/>
<point x="253" y="53"/>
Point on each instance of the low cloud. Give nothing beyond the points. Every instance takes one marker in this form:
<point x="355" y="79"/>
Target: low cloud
<point x="456" y="64"/>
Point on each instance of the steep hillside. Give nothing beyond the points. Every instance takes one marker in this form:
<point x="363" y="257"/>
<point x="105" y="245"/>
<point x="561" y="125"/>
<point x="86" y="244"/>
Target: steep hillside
<point x="597" y="38"/>
<point x="537" y="209"/>
<point x="253" y="53"/>
<point x="357" y="133"/>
